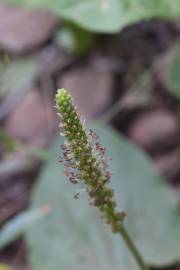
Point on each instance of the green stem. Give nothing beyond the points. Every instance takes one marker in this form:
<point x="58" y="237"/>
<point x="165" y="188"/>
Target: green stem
<point x="131" y="246"/>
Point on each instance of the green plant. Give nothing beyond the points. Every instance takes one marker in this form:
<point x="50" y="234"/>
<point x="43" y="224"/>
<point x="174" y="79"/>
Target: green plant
<point x="7" y="141"/>
<point x="16" y="75"/>
<point x="173" y="71"/>
<point x="107" y="15"/>
<point x="75" y="39"/>
<point x="84" y="160"/>
<point x="18" y="225"/>
<point x="74" y="237"/>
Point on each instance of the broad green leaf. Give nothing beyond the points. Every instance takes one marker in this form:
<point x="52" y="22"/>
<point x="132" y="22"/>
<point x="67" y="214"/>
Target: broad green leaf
<point x="74" y="237"/>
<point x="107" y="15"/>
<point x="19" y="224"/>
<point x="173" y="76"/>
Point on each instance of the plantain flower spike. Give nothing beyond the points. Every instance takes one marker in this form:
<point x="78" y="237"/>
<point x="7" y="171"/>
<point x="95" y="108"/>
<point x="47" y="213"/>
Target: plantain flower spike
<point x="84" y="160"/>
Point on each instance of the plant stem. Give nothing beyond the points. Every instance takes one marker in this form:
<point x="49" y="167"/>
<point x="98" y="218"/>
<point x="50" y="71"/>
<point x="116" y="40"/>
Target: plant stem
<point x="133" y="249"/>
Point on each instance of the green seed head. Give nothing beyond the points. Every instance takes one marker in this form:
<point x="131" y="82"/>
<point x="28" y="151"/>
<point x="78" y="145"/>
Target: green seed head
<point x="73" y="128"/>
<point x="83" y="157"/>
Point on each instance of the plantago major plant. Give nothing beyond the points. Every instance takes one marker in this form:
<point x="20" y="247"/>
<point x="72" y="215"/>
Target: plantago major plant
<point x="84" y="160"/>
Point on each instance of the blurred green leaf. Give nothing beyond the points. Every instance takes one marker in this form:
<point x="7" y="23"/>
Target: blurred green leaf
<point x="173" y="78"/>
<point x="75" y="39"/>
<point x="74" y="237"/>
<point x="9" y="143"/>
<point x="16" y="75"/>
<point x="4" y="267"/>
<point x="41" y="153"/>
<point x="19" y="224"/>
<point x="107" y="15"/>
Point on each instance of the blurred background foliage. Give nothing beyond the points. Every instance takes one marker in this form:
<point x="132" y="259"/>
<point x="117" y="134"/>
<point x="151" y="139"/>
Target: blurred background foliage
<point x="104" y="15"/>
<point x="121" y="61"/>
